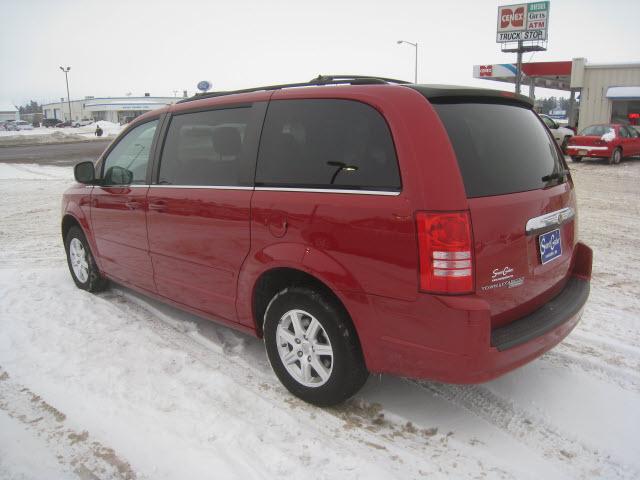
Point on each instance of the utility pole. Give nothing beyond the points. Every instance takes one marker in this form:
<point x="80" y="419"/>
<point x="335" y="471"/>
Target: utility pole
<point x="415" y="45"/>
<point x="66" y="76"/>
<point x="519" y="70"/>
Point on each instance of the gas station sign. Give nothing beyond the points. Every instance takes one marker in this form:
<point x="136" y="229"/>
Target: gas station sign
<point x="523" y="22"/>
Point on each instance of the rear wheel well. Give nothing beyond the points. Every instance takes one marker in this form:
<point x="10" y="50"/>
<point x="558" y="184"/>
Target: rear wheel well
<point x="276" y="280"/>
<point x="67" y="222"/>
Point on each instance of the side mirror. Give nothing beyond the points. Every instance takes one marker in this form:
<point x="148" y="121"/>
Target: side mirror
<point x="118" y="176"/>
<point x="84" y="172"/>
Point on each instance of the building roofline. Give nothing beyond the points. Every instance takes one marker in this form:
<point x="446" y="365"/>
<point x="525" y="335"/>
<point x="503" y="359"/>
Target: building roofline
<point x="612" y="65"/>
<point x="131" y="99"/>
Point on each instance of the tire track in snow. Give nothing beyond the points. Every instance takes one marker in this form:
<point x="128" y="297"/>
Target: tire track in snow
<point x="569" y="454"/>
<point x="436" y="453"/>
<point x="609" y="369"/>
<point x="88" y="459"/>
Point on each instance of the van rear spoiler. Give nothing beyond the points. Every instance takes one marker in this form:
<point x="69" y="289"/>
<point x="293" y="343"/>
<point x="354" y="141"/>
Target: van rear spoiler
<point x="445" y="93"/>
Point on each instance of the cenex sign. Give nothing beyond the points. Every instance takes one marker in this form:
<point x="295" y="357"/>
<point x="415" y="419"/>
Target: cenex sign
<point x="522" y="22"/>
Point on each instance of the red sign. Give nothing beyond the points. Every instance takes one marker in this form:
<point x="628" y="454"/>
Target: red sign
<point x="486" y="70"/>
<point x="513" y="18"/>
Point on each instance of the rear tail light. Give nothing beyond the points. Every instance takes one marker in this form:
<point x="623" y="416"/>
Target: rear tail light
<point x="445" y="247"/>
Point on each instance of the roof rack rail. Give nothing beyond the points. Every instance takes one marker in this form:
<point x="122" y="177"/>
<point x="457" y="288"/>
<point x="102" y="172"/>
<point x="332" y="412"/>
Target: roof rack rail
<point x="320" y="80"/>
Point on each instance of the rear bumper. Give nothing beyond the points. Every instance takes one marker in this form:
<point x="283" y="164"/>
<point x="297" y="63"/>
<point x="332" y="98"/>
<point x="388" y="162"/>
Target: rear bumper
<point x="589" y="151"/>
<point x="455" y="342"/>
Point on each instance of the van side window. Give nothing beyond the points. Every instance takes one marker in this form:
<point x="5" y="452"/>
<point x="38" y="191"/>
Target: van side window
<point x="338" y="144"/>
<point x="214" y="148"/>
<point x="131" y="153"/>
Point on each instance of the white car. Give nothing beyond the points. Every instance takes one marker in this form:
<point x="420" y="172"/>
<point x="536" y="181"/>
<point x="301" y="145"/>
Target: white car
<point x="82" y="123"/>
<point x="19" y="125"/>
<point x="561" y="134"/>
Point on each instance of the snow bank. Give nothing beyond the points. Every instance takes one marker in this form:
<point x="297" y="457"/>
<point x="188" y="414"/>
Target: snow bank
<point x="42" y="135"/>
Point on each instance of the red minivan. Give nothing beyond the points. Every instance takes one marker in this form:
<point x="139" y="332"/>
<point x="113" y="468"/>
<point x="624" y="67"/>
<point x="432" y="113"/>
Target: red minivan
<point x="357" y="224"/>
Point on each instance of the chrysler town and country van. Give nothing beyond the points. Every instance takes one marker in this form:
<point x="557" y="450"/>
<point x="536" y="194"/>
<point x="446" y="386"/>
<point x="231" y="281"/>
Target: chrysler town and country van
<point x="357" y="224"/>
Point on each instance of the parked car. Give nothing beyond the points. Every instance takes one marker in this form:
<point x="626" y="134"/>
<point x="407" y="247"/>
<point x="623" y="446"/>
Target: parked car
<point x="366" y="226"/>
<point x="19" y="125"/>
<point x="82" y="123"/>
<point x="560" y="134"/>
<point x="612" y="141"/>
<point x="51" y="122"/>
<point x="64" y="124"/>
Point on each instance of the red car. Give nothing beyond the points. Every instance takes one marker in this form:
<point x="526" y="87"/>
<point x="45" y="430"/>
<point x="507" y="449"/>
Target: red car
<point x="357" y="224"/>
<point x="612" y="141"/>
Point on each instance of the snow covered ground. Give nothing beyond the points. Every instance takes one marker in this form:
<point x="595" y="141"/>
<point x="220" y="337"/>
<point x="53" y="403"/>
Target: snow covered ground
<point x="56" y="135"/>
<point x="118" y="386"/>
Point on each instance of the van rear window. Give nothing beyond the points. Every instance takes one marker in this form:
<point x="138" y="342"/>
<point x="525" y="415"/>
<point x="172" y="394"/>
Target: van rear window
<point x="501" y="148"/>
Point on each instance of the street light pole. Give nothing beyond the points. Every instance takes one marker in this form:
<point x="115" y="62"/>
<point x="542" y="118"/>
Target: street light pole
<point x="415" y="45"/>
<point x="66" y="72"/>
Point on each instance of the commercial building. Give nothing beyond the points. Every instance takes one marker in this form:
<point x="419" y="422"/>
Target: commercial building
<point x="112" y="109"/>
<point x="8" y="112"/>
<point x="606" y="92"/>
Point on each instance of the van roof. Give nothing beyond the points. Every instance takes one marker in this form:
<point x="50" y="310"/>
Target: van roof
<point x="431" y="91"/>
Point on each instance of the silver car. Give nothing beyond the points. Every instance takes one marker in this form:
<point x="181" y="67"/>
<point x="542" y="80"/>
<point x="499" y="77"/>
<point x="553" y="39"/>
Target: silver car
<point x="19" y="125"/>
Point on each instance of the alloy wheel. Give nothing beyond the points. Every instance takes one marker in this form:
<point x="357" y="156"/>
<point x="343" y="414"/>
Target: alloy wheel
<point x="304" y="348"/>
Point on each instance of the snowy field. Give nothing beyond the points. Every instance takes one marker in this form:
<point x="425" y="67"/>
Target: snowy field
<point x="118" y="386"/>
<point x="42" y="135"/>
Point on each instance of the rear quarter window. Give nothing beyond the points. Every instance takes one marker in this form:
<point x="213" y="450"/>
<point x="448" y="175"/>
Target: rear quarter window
<point x="500" y="148"/>
<point x="328" y="144"/>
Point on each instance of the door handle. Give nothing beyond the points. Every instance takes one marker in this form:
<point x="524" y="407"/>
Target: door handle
<point x="133" y="205"/>
<point x="159" y="206"/>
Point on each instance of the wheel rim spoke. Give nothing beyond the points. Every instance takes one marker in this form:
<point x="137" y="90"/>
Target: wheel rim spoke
<point x="297" y="323"/>
<point x="312" y="329"/>
<point x="325" y="350"/>
<point x="290" y="358"/>
<point x="320" y="369"/>
<point x="306" y="371"/>
<point x="286" y="335"/>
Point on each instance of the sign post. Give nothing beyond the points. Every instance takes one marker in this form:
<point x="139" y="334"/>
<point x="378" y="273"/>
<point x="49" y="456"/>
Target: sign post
<point x="526" y="25"/>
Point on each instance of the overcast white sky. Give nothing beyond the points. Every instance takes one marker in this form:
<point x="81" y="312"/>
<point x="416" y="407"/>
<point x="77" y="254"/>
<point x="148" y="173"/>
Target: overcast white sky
<point x="115" y="47"/>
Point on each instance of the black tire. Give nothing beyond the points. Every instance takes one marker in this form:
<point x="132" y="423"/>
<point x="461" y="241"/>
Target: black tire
<point x="94" y="282"/>
<point x="615" y="157"/>
<point x="348" y="371"/>
<point x="576" y="159"/>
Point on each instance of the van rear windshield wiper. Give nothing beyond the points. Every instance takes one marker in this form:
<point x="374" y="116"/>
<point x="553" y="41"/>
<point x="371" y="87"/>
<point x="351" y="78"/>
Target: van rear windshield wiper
<point x="556" y="175"/>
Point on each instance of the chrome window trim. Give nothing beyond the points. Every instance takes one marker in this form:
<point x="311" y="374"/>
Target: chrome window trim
<point x="208" y="187"/>
<point x="130" y="185"/>
<point x="264" y="189"/>
<point x="548" y="220"/>
<point x="328" y="190"/>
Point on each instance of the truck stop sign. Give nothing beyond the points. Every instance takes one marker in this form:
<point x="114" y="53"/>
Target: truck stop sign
<point x="523" y="22"/>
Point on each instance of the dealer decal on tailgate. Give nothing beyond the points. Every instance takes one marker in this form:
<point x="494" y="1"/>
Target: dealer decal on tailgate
<point x="503" y="277"/>
<point x="550" y="246"/>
